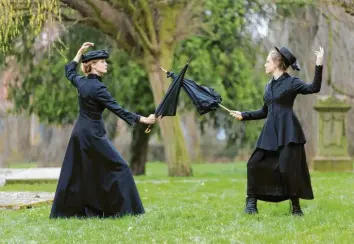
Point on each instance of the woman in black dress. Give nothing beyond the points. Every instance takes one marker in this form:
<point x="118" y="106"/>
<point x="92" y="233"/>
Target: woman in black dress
<point x="277" y="169"/>
<point x="95" y="181"/>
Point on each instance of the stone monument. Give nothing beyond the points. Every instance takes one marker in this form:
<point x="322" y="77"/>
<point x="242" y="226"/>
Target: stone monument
<point x="332" y="145"/>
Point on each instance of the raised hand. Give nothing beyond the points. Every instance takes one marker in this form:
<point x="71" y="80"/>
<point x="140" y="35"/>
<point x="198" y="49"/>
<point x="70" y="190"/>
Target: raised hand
<point x="319" y="56"/>
<point x="84" y="47"/>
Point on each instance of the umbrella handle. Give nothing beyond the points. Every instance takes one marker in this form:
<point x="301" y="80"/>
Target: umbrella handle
<point x="228" y="110"/>
<point x="148" y="130"/>
<point x="163" y="69"/>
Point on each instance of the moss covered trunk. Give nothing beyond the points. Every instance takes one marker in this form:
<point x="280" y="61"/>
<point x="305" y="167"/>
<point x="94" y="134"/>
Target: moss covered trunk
<point x="174" y="142"/>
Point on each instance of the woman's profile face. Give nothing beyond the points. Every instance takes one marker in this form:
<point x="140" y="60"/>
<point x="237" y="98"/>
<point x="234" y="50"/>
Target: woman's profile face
<point x="100" y="66"/>
<point x="270" y="65"/>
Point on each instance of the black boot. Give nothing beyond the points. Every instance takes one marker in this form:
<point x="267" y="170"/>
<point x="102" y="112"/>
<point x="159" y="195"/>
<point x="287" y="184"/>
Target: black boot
<point x="296" y="209"/>
<point x="251" y="205"/>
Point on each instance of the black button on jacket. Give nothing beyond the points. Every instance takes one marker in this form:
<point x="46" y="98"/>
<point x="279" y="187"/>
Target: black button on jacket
<point x="282" y="126"/>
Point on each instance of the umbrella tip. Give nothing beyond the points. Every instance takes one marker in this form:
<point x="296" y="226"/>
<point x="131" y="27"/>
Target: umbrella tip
<point x="190" y="58"/>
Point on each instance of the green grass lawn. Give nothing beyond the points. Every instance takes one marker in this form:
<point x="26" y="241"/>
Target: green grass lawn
<point x="206" y="208"/>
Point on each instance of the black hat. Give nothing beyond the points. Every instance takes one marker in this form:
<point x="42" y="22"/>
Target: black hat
<point x="96" y="54"/>
<point x="289" y="58"/>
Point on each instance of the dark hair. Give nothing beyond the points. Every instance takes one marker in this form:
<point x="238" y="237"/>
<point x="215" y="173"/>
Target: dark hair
<point x="279" y="60"/>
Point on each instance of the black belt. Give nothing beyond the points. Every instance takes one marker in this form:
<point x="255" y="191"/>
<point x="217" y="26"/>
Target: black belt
<point x="91" y="115"/>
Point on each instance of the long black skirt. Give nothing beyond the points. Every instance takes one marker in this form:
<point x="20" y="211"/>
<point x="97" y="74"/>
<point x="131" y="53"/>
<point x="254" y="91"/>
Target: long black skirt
<point x="94" y="181"/>
<point x="276" y="176"/>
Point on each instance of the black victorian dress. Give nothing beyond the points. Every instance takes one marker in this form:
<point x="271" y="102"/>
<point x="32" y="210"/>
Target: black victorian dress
<point x="94" y="181"/>
<point x="277" y="169"/>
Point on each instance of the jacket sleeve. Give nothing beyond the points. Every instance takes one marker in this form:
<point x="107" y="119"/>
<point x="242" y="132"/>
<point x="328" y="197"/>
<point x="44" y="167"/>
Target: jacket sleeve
<point x="256" y="114"/>
<point x="71" y="73"/>
<point x="302" y="87"/>
<point x="106" y="99"/>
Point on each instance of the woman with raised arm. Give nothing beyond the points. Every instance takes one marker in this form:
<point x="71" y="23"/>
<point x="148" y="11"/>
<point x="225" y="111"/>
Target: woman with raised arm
<point x="95" y="181"/>
<point x="277" y="169"/>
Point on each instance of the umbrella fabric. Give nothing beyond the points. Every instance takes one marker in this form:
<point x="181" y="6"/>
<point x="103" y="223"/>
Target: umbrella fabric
<point x="168" y="105"/>
<point x="205" y="99"/>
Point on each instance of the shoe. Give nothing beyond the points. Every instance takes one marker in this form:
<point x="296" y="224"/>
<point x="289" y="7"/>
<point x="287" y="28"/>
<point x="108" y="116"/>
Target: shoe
<point x="296" y="208"/>
<point x="251" y="205"/>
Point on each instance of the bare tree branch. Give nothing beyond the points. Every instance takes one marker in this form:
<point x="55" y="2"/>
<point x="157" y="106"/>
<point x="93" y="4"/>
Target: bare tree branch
<point x="129" y="6"/>
<point x="189" y="20"/>
<point x="149" y="21"/>
<point x="109" y="20"/>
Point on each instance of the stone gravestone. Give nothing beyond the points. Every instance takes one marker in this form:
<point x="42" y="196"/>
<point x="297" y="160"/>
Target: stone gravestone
<point x="332" y="148"/>
<point x="22" y="200"/>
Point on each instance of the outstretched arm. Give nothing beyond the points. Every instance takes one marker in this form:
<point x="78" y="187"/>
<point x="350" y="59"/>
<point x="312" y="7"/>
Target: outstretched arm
<point x="252" y="115"/>
<point x="256" y="114"/>
<point x="106" y="99"/>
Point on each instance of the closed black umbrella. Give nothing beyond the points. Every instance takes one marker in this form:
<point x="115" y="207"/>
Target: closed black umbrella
<point x="204" y="98"/>
<point x="168" y="105"/>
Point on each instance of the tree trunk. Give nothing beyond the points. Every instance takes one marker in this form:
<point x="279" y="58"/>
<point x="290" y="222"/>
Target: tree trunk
<point x="139" y="146"/>
<point x="193" y="136"/>
<point x="110" y="121"/>
<point x="176" y="152"/>
<point x="139" y="150"/>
